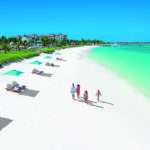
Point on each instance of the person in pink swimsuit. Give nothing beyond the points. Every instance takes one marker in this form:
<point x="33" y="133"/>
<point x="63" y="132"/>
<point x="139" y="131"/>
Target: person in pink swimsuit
<point x="98" y="94"/>
<point x="78" y="91"/>
<point x="85" y="96"/>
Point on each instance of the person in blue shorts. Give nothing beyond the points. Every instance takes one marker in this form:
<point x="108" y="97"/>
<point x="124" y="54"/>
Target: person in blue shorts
<point x="73" y="91"/>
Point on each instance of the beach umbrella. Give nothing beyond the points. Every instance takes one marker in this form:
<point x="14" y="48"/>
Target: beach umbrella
<point x="13" y="73"/>
<point x="36" y="62"/>
<point x="48" y="57"/>
<point x="57" y="53"/>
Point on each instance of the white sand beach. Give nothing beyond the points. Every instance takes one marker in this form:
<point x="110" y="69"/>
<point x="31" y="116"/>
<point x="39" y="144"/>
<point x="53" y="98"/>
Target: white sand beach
<point x="46" y="117"/>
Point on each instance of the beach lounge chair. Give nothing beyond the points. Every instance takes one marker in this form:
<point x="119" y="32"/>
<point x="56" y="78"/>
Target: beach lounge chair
<point x="12" y="88"/>
<point x="15" y="84"/>
<point x="49" y="64"/>
<point x="37" y="71"/>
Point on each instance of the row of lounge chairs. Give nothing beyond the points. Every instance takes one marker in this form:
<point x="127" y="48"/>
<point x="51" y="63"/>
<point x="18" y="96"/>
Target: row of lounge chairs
<point x="36" y="71"/>
<point x="15" y="87"/>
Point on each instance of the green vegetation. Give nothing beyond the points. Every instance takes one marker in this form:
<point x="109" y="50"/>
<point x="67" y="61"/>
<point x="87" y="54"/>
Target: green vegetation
<point x="52" y="49"/>
<point x="75" y="46"/>
<point x="16" y="55"/>
<point x="6" y="47"/>
<point x="12" y="47"/>
<point x="47" y="41"/>
<point x="47" y="50"/>
<point x="11" y="56"/>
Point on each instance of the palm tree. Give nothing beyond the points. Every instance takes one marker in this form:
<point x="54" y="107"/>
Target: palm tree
<point x="37" y="39"/>
<point x="83" y="41"/>
<point x="50" y="41"/>
<point x="18" y="46"/>
<point x="4" y="39"/>
<point x="6" y="47"/>
<point x="25" y="43"/>
<point x="55" y="41"/>
<point x="43" y="41"/>
<point x="10" y="39"/>
<point x="46" y="41"/>
<point x="63" y="43"/>
<point x="15" y="40"/>
<point x="35" y="42"/>
<point x="30" y="42"/>
<point x="20" y="42"/>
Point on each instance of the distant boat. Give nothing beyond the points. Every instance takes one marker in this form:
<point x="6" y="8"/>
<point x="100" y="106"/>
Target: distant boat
<point x="115" y="45"/>
<point x="106" y="45"/>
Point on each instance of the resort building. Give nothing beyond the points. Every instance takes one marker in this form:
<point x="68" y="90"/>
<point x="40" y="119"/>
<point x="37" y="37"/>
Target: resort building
<point x="18" y="37"/>
<point x="59" y="37"/>
<point x="34" y="36"/>
<point x="50" y="36"/>
<point x="27" y="38"/>
<point x="12" y="45"/>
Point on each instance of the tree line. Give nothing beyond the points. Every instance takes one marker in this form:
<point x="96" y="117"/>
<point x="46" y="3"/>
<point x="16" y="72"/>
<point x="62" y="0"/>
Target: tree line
<point x="45" y="41"/>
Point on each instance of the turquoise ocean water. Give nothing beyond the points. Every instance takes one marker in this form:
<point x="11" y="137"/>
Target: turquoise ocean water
<point x="130" y="62"/>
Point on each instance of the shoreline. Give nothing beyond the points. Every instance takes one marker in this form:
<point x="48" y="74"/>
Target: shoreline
<point x="129" y="77"/>
<point x="121" y="77"/>
<point x="42" y="122"/>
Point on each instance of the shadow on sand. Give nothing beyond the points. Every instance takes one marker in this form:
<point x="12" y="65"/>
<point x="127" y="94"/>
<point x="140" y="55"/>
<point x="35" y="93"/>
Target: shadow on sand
<point x="46" y="74"/>
<point x="89" y="102"/>
<point x="107" y="102"/>
<point x="56" y="65"/>
<point x="29" y="92"/>
<point x="4" y="122"/>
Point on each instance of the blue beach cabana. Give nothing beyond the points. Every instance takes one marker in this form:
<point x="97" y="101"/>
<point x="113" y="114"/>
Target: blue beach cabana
<point x="57" y="53"/>
<point x="36" y="63"/>
<point x="48" y="57"/>
<point x="13" y="73"/>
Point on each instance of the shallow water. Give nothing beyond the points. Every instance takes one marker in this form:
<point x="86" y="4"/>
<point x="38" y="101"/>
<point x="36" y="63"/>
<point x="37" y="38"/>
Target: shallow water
<point x="131" y="62"/>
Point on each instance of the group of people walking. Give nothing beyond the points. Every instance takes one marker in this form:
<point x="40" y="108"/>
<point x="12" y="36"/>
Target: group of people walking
<point x="76" y="90"/>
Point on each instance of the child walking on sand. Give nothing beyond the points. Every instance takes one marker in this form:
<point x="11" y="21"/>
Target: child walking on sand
<point x="85" y="96"/>
<point x="78" y="91"/>
<point x="73" y="91"/>
<point x="98" y="94"/>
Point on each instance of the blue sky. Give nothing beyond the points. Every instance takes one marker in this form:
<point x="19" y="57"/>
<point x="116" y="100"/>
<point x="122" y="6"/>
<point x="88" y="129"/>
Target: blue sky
<point x="106" y="20"/>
